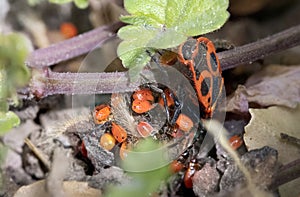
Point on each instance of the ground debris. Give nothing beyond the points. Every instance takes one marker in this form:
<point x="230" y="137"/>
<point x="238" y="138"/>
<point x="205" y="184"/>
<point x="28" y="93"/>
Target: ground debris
<point x="262" y="165"/>
<point x="108" y="176"/>
<point x="98" y="155"/>
<point x="206" y="180"/>
<point x="15" y="138"/>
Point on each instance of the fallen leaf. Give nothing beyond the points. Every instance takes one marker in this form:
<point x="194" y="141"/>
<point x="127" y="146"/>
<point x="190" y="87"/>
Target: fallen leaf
<point x="238" y="102"/>
<point x="264" y="129"/>
<point x="275" y="85"/>
<point x="71" y="188"/>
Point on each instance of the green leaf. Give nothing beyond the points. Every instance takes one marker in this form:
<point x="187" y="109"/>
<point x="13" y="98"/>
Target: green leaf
<point x="162" y="24"/>
<point x="141" y="20"/>
<point x="134" y="51"/>
<point x="153" y="9"/>
<point x="138" y="58"/>
<point x="8" y="120"/>
<point x="210" y="16"/>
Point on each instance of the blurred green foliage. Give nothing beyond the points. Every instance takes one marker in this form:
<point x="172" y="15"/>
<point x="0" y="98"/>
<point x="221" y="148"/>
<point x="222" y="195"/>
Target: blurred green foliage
<point x="8" y="120"/>
<point x="3" y="151"/>
<point x="148" y="170"/>
<point x="79" y="3"/>
<point x="33" y="2"/>
<point x="14" y="48"/>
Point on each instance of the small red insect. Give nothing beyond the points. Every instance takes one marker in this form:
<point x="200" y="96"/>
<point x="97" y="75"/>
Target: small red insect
<point x="181" y="163"/>
<point x="176" y="132"/>
<point x="118" y="132"/>
<point x="107" y="141"/>
<point x="144" y="129"/>
<point x="235" y="142"/>
<point x="176" y="166"/>
<point x="68" y="30"/>
<point x="141" y="106"/>
<point x="101" y="113"/>
<point x="193" y="167"/>
<point x="142" y="101"/>
<point x="143" y="95"/>
<point x="184" y="122"/>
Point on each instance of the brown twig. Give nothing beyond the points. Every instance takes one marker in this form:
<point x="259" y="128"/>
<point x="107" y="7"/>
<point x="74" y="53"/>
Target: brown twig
<point x="73" y="47"/>
<point x="251" y="52"/>
<point x="37" y="153"/>
<point x="286" y="173"/>
<point x="63" y="83"/>
<point x="290" y="139"/>
<point x="229" y="59"/>
<point x="46" y="83"/>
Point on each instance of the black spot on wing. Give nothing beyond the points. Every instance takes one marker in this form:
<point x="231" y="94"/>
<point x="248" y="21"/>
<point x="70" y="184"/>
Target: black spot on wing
<point x="205" y="86"/>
